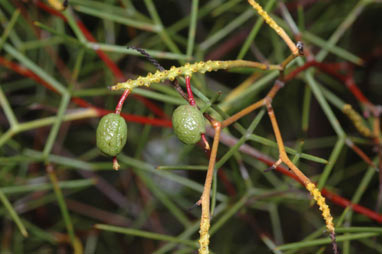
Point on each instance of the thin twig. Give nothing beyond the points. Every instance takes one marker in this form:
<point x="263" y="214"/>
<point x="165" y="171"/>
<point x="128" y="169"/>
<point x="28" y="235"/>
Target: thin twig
<point x="205" y="198"/>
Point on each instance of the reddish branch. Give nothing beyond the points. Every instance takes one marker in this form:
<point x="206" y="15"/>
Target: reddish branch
<point x="80" y="102"/>
<point x="122" y="99"/>
<point x="334" y="69"/>
<point x="128" y="117"/>
<point x="105" y="58"/>
<point x="191" y="99"/>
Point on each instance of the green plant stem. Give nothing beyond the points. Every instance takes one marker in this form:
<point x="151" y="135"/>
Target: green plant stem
<point x="234" y="24"/>
<point x="105" y="15"/>
<point x="228" y="214"/>
<point x="39" y="233"/>
<point x="145" y="234"/>
<point x="162" y="31"/>
<point x="224" y="7"/>
<point x="76" y="115"/>
<point x="35" y="68"/>
<point x="332" y="160"/>
<point x="57" y="123"/>
<point x="359" y="229"/>
<point x="332" y="98"/>
<point x="187" y="233"/>
<point x="342" y="28"/>
<point x="73" y="25"/>
<point x="346" y="55"/>
<point x="183" y="167"/>
<point x="42" y="43"/>
<point x="8" y="110"/>
<point x="271" y="143"/>
<point x="53" y="31"/>
<point x="124" y="50"/>
<point x="9" y="27"/>
<point x="323" y="103"/>
<point x="257" y="86"/>
<point x="256" y="28"/>
<point x="323" y="241"/>
<point x="242" y="140"/>
<point x="13" y="214"/>
<point x="47" y="186"/>
<point x="157" y="192"/>
<point x="192" y="29"/>
<point x="61" y="203"/>
<point x="112" y="48"/>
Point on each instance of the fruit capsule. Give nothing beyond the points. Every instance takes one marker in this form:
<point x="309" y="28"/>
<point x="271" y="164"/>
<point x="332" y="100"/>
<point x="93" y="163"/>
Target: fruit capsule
<point x="111" y="134"/>
<point x="188" y="123"/>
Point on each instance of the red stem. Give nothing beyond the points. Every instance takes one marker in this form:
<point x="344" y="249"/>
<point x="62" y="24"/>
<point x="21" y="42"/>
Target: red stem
<point x="332" y="69"/>
<point x="191" y="99"/>
<point x="115" y="163"/>
<point x="206" y="145"/>
<point x="131" y="118"/>
<point x="25" y="72"/>
<point x="128" y="117"/>
<point x="118" y="109"/>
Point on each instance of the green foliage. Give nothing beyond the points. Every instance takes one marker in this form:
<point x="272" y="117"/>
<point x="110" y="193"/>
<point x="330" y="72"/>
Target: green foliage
<point x="48" y="66"/>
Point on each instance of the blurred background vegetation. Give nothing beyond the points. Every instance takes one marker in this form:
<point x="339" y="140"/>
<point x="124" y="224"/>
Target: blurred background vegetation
<point x="60" y="195"/>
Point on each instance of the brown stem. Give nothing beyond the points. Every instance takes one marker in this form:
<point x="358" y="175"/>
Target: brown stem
<point x="205" y="198"/>
<point x="360" y="153"/>
<point x="288" y="60"/>
<point x="276" y="87"/>
<point x="280" y="144"/>
<point x="242" y="113"/>
<point x="271" y="94"/>
<point x="311" y="187"/>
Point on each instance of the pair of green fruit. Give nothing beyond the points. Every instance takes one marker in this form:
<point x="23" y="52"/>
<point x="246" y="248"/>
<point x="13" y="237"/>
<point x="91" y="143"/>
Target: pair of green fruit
<point x="188" y="123"/>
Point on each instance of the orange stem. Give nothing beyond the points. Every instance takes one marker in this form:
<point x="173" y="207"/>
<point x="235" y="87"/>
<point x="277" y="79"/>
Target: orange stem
<point x="205" y="198"/>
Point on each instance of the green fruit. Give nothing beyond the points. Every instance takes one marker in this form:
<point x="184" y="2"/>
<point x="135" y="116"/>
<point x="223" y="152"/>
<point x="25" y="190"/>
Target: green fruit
<point x="188" y="123"/>
<point x="111" y="134"/>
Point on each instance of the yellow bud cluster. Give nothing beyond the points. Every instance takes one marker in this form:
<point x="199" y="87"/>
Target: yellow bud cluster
<point x="58" y="5"/>
<point x="274" y="26"/>
<point x="187" y="70"/>
<point x="265" y="16"/>
<point x="204" y="237"/>
<point x="171" y="74"/>
<point x="357" y="121"/>
<point x="316" y="194"/>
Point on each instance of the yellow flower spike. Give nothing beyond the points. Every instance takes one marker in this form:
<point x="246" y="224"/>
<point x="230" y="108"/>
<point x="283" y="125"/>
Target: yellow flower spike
<point x="58" y="5"/>
<point x="275" y="27"/>
<point x="315" y="192"/>
<point x="187" y="70"/>
<point x="204" y="239"/>
<point x="357" y="121"/>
